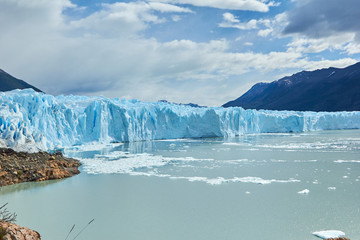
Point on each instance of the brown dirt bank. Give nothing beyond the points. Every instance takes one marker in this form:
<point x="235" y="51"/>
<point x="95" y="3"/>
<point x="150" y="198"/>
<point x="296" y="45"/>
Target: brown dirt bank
<point x="17" y="167"/>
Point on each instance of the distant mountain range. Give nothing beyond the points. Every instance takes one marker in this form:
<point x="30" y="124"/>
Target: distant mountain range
<point x="331" y="89"/>
<point x="8" y="83"/>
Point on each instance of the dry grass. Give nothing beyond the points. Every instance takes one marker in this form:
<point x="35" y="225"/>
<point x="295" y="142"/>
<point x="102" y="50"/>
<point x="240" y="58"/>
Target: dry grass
<point x="6" y="216"/>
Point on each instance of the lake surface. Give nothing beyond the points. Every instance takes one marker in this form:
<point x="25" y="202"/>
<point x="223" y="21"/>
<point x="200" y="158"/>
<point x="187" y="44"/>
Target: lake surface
<point x="202" y="189"/>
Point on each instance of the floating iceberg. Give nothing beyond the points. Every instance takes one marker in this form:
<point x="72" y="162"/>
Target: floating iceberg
<point x="36" y="121"/>
<point x="329" y="234"/>
<point x="305" y="191"/>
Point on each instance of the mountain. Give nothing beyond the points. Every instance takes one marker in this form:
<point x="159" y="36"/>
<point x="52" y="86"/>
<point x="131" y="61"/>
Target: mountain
<point x="8" y="83"/>
<point x="183" y="104"/>
<point x="331" y="89"/>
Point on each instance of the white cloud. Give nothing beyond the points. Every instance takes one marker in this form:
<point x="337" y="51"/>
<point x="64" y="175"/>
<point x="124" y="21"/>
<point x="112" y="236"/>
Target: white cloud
<point x="228" y="17"/>
<point x="267" y="26"/>
<point x="320" y="25"/>
<point x="265" y="32"/>
<point x="163" y="7"/>
<point x="274" y="26"/>
<point x="345" y="42"/>
<point x="106" y="53"/>
<point x="230" y="21"/>
<point x="122" y="19"/>
<point x="323" y="18"/>
<point x="308" y="45"/>
<point x="175" y="18"/>
<point x="274" y="4"/>
<point x="352" y="48"/>
<point x="251" y="5"/>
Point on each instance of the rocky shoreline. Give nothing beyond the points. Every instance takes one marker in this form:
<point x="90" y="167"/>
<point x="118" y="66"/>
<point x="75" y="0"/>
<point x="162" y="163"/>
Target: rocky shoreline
<point x="18" y="167"/>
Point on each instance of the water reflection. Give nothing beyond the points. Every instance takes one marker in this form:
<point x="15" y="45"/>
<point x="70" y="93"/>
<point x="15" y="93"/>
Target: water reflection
<point x="26" y="186"/>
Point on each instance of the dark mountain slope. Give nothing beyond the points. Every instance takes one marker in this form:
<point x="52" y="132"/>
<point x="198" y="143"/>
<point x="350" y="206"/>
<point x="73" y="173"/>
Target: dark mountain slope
<point x="8" y="83"/>
<point x="330" y="89"/>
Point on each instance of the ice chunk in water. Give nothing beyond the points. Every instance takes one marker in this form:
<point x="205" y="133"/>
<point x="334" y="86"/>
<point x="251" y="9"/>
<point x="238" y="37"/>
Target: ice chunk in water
<point x="329" y="234"/>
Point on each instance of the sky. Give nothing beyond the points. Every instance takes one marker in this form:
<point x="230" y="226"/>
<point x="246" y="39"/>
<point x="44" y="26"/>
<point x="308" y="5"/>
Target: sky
<point x="201" y="51"/>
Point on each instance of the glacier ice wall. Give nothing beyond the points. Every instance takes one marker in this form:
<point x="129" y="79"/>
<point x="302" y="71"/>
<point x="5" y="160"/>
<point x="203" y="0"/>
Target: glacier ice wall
<point x="35" y="121"/>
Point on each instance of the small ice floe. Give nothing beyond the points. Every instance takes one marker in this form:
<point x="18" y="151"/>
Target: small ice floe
<point x="332" y="188"/>
<point x="347" y="161"/>
<point x="305" y="191"/>
<point x="247" y="192"/>
<point x="329" y="234"/>
<point x="345" y="176"/>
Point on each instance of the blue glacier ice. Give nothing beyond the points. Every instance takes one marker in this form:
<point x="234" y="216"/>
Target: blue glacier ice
<point x="33" y="121"/>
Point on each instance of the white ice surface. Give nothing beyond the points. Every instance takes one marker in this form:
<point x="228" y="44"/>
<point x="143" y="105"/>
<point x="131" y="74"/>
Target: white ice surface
<point x="329" y="234"/>
<point x="145" y="164"/>
<point x="125" y="162"/>
<point x="305" y="191"/>
<point x="347" y="161"/>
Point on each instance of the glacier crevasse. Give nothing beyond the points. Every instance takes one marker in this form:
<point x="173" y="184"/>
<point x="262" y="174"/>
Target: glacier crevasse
<point x="36" y="121"/>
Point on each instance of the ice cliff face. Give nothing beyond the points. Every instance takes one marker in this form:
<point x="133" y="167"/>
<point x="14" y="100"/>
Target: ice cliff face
<point x="31" y="121"/>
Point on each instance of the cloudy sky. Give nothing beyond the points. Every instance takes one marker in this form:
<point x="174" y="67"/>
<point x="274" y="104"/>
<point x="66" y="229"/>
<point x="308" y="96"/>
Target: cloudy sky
<point x="202" y="51"/>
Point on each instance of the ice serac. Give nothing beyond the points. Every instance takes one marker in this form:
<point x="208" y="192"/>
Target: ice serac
<point x="36" y="121"/>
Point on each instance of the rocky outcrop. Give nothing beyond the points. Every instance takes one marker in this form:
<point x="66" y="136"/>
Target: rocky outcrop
<point x="11" y="231"/>
<point x="17" y="167"/>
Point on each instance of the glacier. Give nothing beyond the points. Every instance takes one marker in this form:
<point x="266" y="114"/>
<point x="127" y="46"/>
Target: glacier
<point x="33" y="121"/>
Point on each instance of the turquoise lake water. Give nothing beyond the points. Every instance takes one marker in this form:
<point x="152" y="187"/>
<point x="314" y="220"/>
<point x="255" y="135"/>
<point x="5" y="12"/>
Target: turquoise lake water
<point x="202" y="189"/>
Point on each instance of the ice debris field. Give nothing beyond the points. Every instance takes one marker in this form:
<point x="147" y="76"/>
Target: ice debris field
<point x="36" y="121"/>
